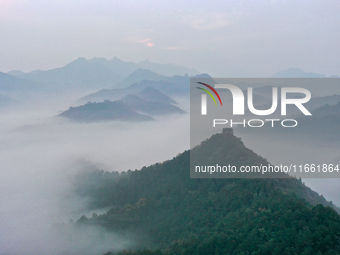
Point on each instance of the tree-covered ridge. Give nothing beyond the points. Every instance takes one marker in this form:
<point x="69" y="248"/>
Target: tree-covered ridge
<point x="160" y="207"/>
<point x="289" y="228"/>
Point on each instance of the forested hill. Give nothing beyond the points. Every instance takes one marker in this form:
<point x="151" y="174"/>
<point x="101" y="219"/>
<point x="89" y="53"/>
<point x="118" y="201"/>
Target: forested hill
<point x="160" y="207"/>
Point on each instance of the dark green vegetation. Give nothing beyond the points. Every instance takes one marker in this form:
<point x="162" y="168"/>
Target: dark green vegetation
<point x="160" y="207"/>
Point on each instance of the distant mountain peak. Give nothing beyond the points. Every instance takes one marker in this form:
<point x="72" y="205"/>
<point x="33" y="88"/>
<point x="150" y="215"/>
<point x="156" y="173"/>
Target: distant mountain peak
<point x="139" y="75"/>
<point x="16" y="73"/>
<point x="202" y="75"/>
<point x="99" y="73"/>
<point x="131" y="97"/>
<point x="145" y="61"/>
<point x="98" y="60"/>
<point x="80" y="59"/>
<point x="150" y="106"/>
<point x="77" y="62"/>
<point x="298" y="73"/>
<point x="143" y="70"/>
<point x="152" y="94"/>
<point x="167" y="69"/>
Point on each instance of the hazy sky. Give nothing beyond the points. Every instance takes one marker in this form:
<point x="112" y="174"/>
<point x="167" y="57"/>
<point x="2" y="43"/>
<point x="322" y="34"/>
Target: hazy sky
<point x="223" y="38"/>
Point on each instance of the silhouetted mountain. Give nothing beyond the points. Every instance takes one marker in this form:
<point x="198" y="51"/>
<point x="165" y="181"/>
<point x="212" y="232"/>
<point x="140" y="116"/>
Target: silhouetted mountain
<point x="98" y="73"/>
<point x="125" y="68"/>
<point x="173" y="86"/>
<point x="262" y="99"/>
<point x="140" y="75"/>
<point x="298" y="73"/>
<point x="178" y="86"/>
<point x="327" y="110"/>
<point x="167" y="69"/>
<point x="160" y="206"/>
<point x="148" y="93"/>
<point x="167" y="86"/>
<point x="322" y="125"/>
<point x="150" y="107"/>
<point x="116" y="94"/>
<point x="317" y="102"/>
<point x="118" y="66"/>
<point x="324" y="122"/>
<point x="77" y="74"/>
<point x="152" y="94"/>
<point x="107" y="94"/>
<point x="9" y="83"/>
<point x="16" y="73"/>
<point x="105" y="111"/>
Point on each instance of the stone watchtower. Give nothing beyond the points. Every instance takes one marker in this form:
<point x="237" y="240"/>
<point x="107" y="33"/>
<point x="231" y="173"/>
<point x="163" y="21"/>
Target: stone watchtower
<point x="227" y="131"/>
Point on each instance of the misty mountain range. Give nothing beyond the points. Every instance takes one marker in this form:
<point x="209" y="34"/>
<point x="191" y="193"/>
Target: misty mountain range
<point x="11" y="85"/>
<point x="139" y="75"/>
<point x="262" y="99"/>
<point x="104" y="111"/>
<point x="298" y="73"/>
<point x="152" y="94"/>
<point x="323" y="125"/>
<point x="113" y="79"/>
<point x="159" y="206"/>
<point x="6" y="101"/>
<point x="150" y="107"/>
<point x="99" y="73"/>
<point x="131" y="107"/>
<point x="132" y="79"/>
<point x="178" y="86"/>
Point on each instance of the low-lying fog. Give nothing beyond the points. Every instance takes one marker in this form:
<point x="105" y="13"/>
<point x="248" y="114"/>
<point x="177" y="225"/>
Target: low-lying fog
<point x="40" y="155"/>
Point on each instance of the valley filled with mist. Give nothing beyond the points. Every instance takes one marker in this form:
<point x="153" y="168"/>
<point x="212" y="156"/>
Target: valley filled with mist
<point x="42" y="153"/>
<point x="114" y="141"/>
<point x="82" y="167"/>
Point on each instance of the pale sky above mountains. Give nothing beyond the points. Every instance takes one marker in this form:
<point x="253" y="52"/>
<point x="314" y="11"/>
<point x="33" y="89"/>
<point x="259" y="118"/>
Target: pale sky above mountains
<point x="222" y="38"/>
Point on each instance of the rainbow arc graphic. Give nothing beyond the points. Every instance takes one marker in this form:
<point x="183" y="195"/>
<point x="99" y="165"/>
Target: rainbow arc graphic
<point x="209" y="93"/>
<point x="204" y="97"/>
